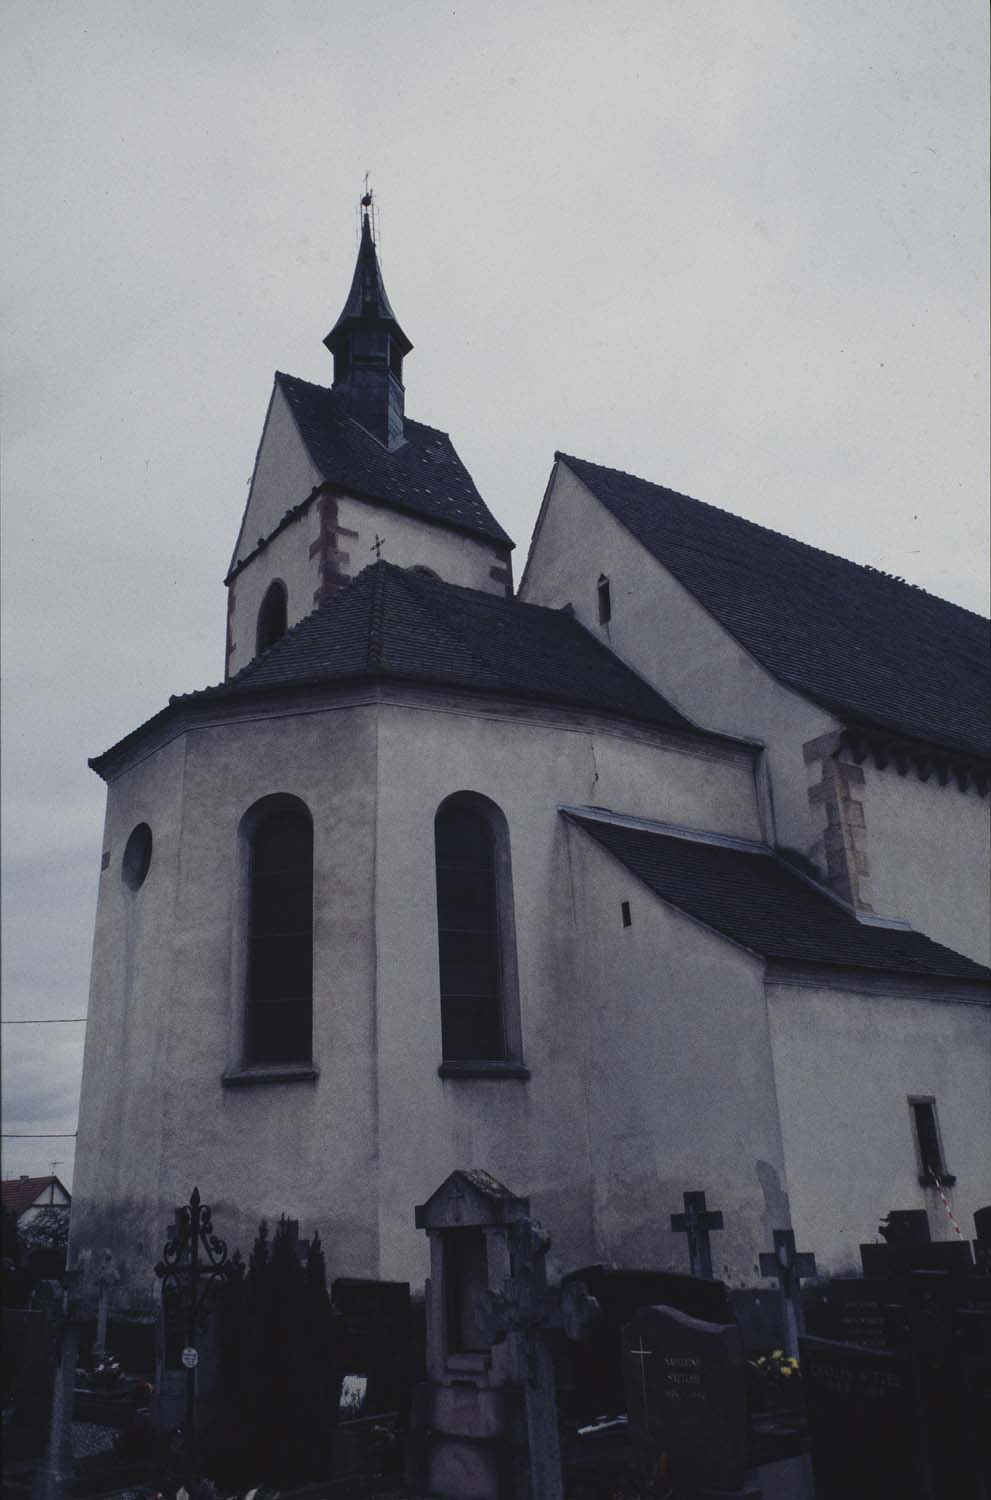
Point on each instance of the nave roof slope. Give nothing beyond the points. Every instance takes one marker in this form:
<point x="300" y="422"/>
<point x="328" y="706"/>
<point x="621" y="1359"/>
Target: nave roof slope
<point x="873" y="649"/>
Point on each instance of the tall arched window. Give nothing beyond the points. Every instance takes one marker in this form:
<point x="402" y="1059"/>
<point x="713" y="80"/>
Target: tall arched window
<point x="280" y="935"/>
<point x="477" y="948"/>
<point x="272" y="616"/>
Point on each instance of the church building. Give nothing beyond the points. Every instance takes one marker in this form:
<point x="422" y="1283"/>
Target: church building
<point x="665" y="871"/>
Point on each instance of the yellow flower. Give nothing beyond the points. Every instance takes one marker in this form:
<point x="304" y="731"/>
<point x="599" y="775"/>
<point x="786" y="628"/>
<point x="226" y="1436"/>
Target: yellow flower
<point x="786" y="1370"/>
<point x="777" y="1354"/>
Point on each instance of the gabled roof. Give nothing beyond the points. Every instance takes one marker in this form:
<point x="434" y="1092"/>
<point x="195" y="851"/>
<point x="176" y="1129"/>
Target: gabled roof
<point x="423" y="476"/>
<point x="754" y="898"/>
<point x="20" y="1193"/>
<point x="874" y="650"/>
<point x="391" y="622"/>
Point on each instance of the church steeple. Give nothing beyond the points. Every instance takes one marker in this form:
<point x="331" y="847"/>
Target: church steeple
<point x="369" y="346"/>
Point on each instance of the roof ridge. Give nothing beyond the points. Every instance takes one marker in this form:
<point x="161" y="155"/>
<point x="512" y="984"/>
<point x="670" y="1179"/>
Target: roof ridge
<point x="795" y="541"/>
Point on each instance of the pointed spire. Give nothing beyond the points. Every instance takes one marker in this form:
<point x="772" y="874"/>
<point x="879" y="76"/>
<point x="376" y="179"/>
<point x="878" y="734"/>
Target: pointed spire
<point x="369" y="346"/>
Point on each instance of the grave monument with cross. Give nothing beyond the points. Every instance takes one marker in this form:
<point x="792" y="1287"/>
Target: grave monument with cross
<point x="789" y="1268"/>
<point x="696" y="1222"/>
<point x="492" y="1413"/>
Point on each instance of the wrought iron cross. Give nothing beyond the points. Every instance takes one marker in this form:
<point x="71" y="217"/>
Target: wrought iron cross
<point x="696" y="1222"/>
<point x="377" y="546"/>
<point x="193" y="1267"/>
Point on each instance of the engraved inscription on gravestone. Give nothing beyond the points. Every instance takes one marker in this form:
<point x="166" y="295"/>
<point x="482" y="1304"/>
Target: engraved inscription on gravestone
<point x="686" y="1399"/>
<point x="863" y="1422"/>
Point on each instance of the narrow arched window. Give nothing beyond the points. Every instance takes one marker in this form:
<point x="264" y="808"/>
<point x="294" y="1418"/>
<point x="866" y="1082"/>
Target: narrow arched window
<point x="272" y="616"/>
<point x="280" y="937"/>
<point x="475" y="931"/>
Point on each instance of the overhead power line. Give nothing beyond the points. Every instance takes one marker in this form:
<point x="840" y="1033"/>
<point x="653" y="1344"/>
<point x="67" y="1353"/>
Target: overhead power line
<point x="46" y="1021"/>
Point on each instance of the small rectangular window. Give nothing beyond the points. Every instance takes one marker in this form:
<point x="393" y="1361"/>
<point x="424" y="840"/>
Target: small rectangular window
<point x="932" y="1169"/>
<point x="624" y="907"/>
<point x="605" y="600"/>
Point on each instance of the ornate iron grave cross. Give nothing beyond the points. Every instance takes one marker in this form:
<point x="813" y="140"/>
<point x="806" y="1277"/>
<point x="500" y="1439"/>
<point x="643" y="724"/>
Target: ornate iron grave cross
<point x="789" y="1268"/>
<point x="526" y="1309"/>
<point x="193" y="1268"/>
<point x="696" y="1222"/>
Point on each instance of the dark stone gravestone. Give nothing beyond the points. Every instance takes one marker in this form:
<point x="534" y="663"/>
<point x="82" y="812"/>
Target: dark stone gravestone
<point x="863" y="1422"/>
<point x="760" y="1318"/>
<point x="590" y="1374"/>
<point x="686" y="1400"/>
<point x="375" y="1339"/>
<point x="857" y="1311"/>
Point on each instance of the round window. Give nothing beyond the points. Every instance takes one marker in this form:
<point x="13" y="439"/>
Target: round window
<point x="137" y="857"/>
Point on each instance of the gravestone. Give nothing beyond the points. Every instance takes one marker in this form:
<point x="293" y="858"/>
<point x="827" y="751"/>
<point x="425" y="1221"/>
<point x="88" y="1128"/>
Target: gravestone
<point x="863" y="1422"/>
<point x="591" y="1372"/>
<point x="858" y="1306"/>
<point x="375" y="1339"/>
<point x="686" y="1399"/>
<point x="469" y="1437"/>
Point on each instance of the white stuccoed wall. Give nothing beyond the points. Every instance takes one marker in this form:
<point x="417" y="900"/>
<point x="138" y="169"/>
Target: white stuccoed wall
<point x="929" y="848"/>
<point x="663" y="632"/>
<point x="284" y="475"/>
<point x="351" y="1154"/>
<point x="846" y="1063"/>
<point x="533" y="1135"/>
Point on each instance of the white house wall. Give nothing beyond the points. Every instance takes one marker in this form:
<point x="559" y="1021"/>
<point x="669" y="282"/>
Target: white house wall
<point x="663" y="632"/>
<point x="284" y="475"/>
<point x="677" y="1075"/>
<point x="846" y="1064"/>
<point x="532" y="1135"/>
<point x="921" y="838"/>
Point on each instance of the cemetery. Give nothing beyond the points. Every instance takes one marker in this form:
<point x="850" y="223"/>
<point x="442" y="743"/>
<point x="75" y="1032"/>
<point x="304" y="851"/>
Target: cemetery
<point x="263" y="1373"/>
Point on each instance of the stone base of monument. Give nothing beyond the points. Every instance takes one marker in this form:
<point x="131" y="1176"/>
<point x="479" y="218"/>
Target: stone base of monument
<point x="476" y="1443"/>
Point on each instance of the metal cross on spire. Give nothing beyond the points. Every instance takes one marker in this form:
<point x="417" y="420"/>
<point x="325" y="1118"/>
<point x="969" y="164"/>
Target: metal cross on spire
<point x="377" y="546"/>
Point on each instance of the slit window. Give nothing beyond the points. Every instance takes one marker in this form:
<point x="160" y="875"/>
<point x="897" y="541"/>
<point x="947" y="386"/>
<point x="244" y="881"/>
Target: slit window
<point x="931" y="1166"/>
<point x="624" y="907"/>
<point x="605" y="600"/>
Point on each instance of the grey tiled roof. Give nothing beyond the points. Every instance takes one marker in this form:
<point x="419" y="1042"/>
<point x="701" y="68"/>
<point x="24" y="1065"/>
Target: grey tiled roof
<point x="755" y="899"/>
<point x="423" y="476"/>
<point x="871" y="648"/>
<point x="394" y="623"/>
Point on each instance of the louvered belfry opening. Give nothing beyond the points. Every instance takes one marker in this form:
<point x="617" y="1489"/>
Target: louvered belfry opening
<point x="468" y="934"/>
<point x="280" y="988"/>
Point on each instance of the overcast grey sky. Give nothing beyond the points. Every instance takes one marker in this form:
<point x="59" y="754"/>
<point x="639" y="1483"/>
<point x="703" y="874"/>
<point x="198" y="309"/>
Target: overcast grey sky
<point x="738" y="248"/>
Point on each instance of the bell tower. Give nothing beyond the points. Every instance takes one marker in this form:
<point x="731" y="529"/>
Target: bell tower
<point x="369" y="346"/>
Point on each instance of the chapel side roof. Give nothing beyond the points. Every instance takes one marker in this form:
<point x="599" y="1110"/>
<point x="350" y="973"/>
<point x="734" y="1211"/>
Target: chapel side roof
<point x="19" y="1193"/>
<point x="393" y="622"/>
<point x="754" y="898"/>
<point x="422" y="476"/>
<point x="871" y="648"/>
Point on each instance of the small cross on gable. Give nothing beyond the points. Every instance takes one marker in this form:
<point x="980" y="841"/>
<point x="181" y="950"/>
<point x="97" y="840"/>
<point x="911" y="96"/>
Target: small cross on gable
<point x="377" y="546"/>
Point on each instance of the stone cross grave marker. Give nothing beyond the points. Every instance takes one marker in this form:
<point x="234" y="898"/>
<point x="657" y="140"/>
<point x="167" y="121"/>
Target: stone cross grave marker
<point x="686" y="1399"/>
<point x="527" y="1309"/>
<point x="789" y="1268"/>
<point x="107" y="1278"/>
<point x="696" y="1222"/>
<point x="54" y="1478"/>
